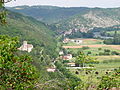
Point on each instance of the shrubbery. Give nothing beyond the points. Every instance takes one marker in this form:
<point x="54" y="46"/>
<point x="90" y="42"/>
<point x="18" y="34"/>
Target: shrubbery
<point x="16" y="71"/>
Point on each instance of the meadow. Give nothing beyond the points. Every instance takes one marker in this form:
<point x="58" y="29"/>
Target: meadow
<point x="93" y="76"/>
<point x="104" y="54"/>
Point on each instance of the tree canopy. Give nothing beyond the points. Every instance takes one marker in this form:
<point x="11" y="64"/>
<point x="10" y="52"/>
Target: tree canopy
<point x="16" y="71"/>
<point x="3" y="11"/>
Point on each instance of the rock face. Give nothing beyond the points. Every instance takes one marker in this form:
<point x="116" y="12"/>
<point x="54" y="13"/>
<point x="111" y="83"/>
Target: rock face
<point x="97" y="21"/>
<point x="93" y="18"/>
<point x="90" y="20"/>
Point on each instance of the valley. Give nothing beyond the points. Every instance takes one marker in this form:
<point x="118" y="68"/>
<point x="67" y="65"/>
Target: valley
<point x="71" y="48"/>
<point x="92" y="72"/>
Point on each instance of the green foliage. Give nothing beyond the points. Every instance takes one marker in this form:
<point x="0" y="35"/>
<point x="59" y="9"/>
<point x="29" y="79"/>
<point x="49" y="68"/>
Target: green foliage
<point x="16" y="72"/>
<point x="2" y="13"/>
<point x="3" y="17"/>
<point x="103" y="30"/>
<point x="83" y="59"/>
<point x="85" y="47"/>
<point x="115" y="40"/>
<point x="110" y="81"/>
<point x="80" y="34"/>
<point x="99" y="49"/>
<point x="49" y="14"/>
<point x="72" y="81"/>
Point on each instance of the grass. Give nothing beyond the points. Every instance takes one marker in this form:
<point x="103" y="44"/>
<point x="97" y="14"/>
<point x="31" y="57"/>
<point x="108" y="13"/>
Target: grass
<point x="94" y="50"/>
<point x="93" y="44"/>
<point x="105" y="58"/>
<point x="92" y="41"/>
<point x="106" y="63"/>
<point x="92" y="78"/>
<point x="112" y="32"/>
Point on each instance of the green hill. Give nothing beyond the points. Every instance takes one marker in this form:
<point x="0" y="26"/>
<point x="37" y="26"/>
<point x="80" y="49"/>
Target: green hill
<point x="27" y="28"/>
<point x="49" y="14"/>
<point x="96" y="17"/>
<point x="73" y="18"/>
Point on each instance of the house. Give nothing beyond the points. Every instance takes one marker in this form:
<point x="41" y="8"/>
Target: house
<point x="61" y="53"/>
<point x="66" y="40"/>
<point x="67" y="57"/>
<point x="26" y="47"/>
<point x="51" y="69"/>
<point x="77" y="41"/>
<point x="71" y="64"/>
<point x="68" y="32"/>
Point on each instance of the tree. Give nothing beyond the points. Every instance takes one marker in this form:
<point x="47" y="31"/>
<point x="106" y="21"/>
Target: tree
<point x="82" y="59"/>
<point x="16" y="71"/>
<point x="3" y="11"/>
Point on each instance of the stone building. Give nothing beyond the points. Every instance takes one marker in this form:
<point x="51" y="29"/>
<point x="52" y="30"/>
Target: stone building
<point x="26" y="47"/>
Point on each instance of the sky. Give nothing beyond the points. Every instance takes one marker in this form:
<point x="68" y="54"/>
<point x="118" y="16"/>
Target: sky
<point x="67" y="3"/>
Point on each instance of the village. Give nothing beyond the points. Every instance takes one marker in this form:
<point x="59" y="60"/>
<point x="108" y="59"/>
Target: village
<point x="28" y="47"/>
<point x="94" y="70"/>
<point x="69" y="58"/>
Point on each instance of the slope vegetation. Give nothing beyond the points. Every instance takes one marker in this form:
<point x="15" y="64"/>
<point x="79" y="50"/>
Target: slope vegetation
<point x="49" y="14"/>
<point x="27" y="28"/>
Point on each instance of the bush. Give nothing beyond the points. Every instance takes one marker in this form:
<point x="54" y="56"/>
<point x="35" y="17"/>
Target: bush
<point x="85" y="47"/>
<point x="115" y="53"/>
<point x="106" y="50"/>
<point x="99" y="48"/>
<point x="16" y="71"/>
<point x="89" y="52"/>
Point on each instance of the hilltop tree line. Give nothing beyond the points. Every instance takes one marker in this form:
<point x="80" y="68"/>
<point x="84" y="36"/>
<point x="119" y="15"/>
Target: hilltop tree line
<point x="80" y="34"/>
<point x="115" y="40"/>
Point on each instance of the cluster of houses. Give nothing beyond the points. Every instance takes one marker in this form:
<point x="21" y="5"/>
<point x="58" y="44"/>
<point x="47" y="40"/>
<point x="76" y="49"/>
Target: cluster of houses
<point x="67" y="57"/>
<point x="77" y="41"/>
<point x="28" y="47"/>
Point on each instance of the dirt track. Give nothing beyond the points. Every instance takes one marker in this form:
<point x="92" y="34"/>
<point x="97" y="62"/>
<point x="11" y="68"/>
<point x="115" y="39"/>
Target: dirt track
<point x="112" y="46"/>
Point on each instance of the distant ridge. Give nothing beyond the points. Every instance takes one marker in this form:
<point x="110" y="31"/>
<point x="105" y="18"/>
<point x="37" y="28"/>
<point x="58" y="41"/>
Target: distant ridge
<point x="67" y="18"/>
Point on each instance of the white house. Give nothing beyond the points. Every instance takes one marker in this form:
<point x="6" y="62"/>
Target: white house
<point x="61" y="53"/>
<point x="66" y="40"/>
<point x="26" y="47"/>
<point x="67" y="57"/>
<point x="71" y="64"/>
<point x="51" y="69"/>
<point x="77" y="41"/>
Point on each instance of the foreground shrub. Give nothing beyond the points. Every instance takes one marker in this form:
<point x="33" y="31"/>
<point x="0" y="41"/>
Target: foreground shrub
<point x="16" y="72"/>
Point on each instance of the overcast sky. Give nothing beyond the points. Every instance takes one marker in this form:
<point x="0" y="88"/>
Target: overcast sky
<point x="68" y="3"/>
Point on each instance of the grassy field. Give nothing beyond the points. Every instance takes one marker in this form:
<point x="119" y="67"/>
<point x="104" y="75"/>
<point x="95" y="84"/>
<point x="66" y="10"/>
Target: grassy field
<point x="107" y="63"/>
<point x="104" y="58"/>
<point x="95" y="47"/>
<point x="93" y="51"/>
<point x="103" y="68"/>
<point x="85" y="42"/>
